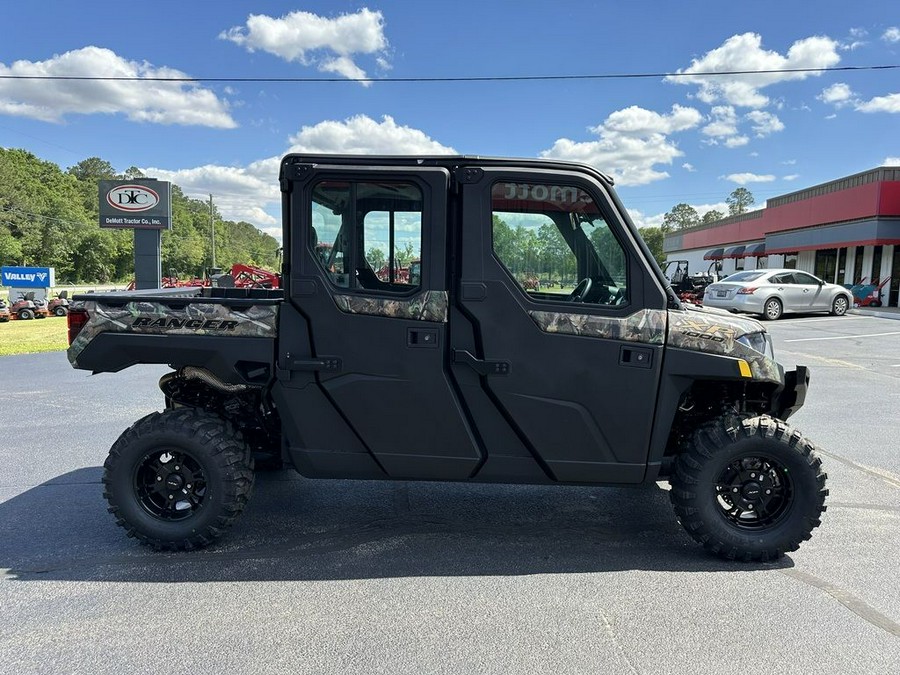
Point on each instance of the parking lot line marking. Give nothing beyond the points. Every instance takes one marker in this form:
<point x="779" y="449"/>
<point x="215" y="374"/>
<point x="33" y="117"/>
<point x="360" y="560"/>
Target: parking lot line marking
<point x="843" y="337"/>
<point x="828" y="318"/>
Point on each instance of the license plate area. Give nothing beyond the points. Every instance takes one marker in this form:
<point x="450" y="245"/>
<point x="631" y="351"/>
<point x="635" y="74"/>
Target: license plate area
<point x="721" y="294"/>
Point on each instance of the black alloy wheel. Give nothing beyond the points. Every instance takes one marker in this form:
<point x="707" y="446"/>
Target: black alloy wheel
<point x="170" y="484"/>
<point x="754" y="493"/>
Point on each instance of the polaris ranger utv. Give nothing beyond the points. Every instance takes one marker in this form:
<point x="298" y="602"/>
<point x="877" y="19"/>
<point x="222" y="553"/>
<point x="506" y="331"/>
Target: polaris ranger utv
<point x="612" y="382"/>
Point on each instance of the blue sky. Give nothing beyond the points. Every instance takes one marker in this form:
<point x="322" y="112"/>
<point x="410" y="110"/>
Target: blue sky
<point x="666" y="141"/>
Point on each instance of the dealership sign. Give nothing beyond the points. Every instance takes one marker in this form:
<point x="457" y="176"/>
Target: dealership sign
<point x="27" y="277"/>
<point x="140" y="203"/>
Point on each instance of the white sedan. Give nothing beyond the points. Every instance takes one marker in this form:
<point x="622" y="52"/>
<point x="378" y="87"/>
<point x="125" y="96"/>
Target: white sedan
<point x="773" y="292"/>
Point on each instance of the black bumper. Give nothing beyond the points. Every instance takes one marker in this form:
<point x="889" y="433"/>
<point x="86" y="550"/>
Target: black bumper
<point x="790" y="399"/>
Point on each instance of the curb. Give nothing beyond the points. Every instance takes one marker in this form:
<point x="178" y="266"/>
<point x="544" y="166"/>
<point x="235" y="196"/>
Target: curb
<point x="874" y="312"/>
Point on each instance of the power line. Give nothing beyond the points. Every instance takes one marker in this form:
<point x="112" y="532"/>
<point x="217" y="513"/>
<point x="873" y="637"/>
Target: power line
<point x="473" y="78"/>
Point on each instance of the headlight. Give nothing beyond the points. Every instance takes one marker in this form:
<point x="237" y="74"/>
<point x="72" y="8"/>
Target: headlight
<point x="759" y="342"/>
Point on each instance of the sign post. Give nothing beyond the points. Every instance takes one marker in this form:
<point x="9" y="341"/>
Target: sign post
<point x="145" y="206"/>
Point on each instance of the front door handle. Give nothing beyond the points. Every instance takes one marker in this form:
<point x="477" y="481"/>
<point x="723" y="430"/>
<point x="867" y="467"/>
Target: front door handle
<point x="636" y="357"/>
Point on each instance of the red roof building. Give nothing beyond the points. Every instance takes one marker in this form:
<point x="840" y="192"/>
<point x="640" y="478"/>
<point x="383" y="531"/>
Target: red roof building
<point x="846" y="231"/>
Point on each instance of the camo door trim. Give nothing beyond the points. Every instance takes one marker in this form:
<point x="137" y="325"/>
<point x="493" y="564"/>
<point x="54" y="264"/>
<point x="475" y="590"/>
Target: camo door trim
<point x="426" y="306"/>
<point x="645" y="325"/>
<point x="152" y="318"/>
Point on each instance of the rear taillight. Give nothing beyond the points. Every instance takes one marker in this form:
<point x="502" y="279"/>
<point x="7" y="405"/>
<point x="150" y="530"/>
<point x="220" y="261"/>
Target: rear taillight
<point x="77" y="318"/>
<point x="746" y="291"/>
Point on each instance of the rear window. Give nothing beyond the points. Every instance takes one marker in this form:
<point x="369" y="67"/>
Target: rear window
<point x="744" y="276"/>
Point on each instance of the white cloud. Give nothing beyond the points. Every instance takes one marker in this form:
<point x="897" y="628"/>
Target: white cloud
<point x="687" y="166"/>
<point x="361" y="135"/>
<point x="328" y="43"/>
<point x="631" y="143"/>
<point x="764" y="123"/>
<point x="789" y="162"/>
<point x="891" y="161"/>
<point x="724" y="122"/>
<point x="889" y="103"/>
<point x="745" y="52"/>
<point x="724" y="128"/>
<point x="744" y="178"/>
<point x="855" y="40"/>
<point x="892" y="34"/>
<point x="736" y="141"/>
<point x="250" y="192"/>
<point x="642" y="220"/>
<point x="239" y="193"/>
<point x="831" y="116"/>
<point x="790" y="177"/>
<point x="839" y="94"/>
<point x="140" y="101"/>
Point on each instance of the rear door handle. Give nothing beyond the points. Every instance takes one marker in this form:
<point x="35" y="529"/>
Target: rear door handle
<point x="482" y="367"/>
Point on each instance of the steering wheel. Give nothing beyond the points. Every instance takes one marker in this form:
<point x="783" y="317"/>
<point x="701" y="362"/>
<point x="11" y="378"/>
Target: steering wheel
<point x="581" y="290"/>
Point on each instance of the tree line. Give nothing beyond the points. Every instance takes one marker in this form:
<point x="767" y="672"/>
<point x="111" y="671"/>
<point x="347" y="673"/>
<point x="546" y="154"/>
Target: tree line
<point x="683" y="216"/>
<point x="49" y="218"/>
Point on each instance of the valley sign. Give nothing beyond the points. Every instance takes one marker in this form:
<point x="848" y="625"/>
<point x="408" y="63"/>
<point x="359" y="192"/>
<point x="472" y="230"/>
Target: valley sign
<point x="137" y="204"/>
<point x="27" y="277"/>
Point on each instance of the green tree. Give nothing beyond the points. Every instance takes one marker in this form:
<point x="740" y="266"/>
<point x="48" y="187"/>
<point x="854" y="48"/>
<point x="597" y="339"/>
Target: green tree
<point x="680" y="217"/>
<point x="654" y="237"/>
<point x="711" y="217"/>
<point x="739" y="201"/>
<point x="376" y="258"/>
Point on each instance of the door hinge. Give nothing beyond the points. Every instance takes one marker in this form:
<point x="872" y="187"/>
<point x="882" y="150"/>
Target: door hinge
<point x="482" y="367"/>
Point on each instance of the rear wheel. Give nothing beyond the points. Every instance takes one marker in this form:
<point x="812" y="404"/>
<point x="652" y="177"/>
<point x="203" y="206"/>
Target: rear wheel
<point x="178" y="479"/>
<point x="60" y="311"/>
<point x="750" y="489"/>
<point x="26" y="314"/>
<point x="840" y="305"/>
<point x="772" y="309"/>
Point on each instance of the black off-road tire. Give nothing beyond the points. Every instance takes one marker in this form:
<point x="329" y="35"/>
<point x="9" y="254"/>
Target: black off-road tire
<point x="60" y="311"/>
<point x="840" y="305"/>
<point x="26" y="314"/>
<point x="699" y="504"/>
<point x="212" y="444"/>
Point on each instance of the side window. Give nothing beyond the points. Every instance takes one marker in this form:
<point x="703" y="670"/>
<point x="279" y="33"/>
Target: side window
<point x="368" y="235"/>
<point x="783" y="278"/>
<point x="555" y="243"/>
<point x="801" y="278"/>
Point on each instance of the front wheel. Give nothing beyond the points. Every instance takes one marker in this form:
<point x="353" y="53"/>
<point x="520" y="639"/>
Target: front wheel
<point x="26" y="314"/>
<point x="178" y="479"/>
<point x="840" y="305"/>
<point x="749" y="490"/>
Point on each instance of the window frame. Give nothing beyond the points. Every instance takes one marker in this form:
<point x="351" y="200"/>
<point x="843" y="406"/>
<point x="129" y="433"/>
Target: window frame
<point x="429" y="221"/>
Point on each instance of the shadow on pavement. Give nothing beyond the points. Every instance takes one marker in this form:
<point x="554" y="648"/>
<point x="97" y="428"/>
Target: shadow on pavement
<point x="297" y="529"/>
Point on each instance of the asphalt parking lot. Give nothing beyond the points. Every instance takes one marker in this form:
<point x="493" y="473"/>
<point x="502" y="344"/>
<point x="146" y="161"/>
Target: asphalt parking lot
<point x="365" y="577"/>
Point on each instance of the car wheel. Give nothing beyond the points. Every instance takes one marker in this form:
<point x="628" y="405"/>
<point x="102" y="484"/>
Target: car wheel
<point x="772" y="309"/>
<point x="749" y="489"/>
<point x="26" y="314"/>
<point x="840" y="305"/>
<point x="178" y="479"/>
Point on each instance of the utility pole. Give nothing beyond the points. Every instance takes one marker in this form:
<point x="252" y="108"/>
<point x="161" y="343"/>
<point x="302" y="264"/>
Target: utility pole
<point x="212" y="231"/>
